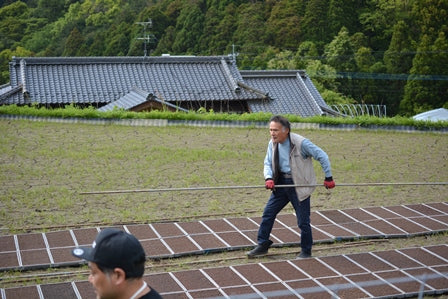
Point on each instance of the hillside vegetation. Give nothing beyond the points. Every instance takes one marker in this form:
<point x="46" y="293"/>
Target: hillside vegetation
<point x="384" y="52"/>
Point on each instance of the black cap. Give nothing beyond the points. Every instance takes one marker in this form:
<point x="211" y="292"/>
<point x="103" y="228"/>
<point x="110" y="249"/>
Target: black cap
<point x="114" y="248"/>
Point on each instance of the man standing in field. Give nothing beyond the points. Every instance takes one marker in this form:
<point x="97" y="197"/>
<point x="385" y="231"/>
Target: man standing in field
<point x="288" y="162"/>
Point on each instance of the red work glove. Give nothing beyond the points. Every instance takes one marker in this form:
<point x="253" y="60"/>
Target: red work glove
<point x="329" y="183"/>
<point x="269" y="184"/>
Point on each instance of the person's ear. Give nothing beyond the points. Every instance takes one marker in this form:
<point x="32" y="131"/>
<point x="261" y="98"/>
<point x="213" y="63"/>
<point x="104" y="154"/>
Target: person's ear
<point x="119" y="275"/>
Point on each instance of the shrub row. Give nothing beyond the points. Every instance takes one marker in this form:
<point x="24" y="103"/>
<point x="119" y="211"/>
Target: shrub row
<point x="71" y="111"/>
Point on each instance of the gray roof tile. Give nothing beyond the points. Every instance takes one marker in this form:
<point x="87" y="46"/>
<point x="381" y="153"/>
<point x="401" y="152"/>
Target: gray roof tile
<point x="135" y="98"/>
<point x="127" y="81"/>
<point x="291" y="92"/>
<point x="106" y="79"/>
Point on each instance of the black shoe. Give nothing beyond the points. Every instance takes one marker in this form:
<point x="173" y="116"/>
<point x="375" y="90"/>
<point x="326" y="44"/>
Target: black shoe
<point x="260" y="250"/>
<point x="304" y="255"/>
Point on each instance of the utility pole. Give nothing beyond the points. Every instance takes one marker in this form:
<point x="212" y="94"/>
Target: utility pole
<point x="147" y="37"/>
<point x="233" y="53"/>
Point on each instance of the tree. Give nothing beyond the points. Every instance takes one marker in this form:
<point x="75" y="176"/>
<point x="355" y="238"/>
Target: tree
<point x="339" y="52"/>
<point x="359" y="40"/>
<point x="250" y="34"/>
<point x="50" y="9"/>
<point x="324" y="78"/>
<point x="364" y="59"/>
<point x="284" y="24"/>
<point x="340" y="55"/>
<point x="282" y="61"/>
<point x="324" y="74"/>
<point x="223" y="39"/>
<point x="426" y="90"/>
<point x="306" y="52"/>
<point x="430" y="17"/>
<point x="251" y="25"/>
<point x="260" y="62"/>
<point x="13" y="24"/>
<point x="374" y="89"/>
<point x="189" y="28"/>
<point x="315" y="22"/>
<point x="95" y="43"/>
<point x="343" y="13"/>
<point x="74" y="43"/>
<point x="376" y="21"/>
<point x="379" y="90"/>
<point x="398" y="57"/>
<point x="119" y="40"/>
<point x="398" y="60"/>
<point x="5" y="58"/>
<point x="165" y="44"/>
<point x="212" y="19"/>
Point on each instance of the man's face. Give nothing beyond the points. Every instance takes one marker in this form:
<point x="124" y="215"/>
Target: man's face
<point x="278" y="132"/>
<point x="101" y="281"/>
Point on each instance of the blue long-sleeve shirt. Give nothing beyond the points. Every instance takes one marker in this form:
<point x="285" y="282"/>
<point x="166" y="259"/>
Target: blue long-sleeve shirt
<point x="308" y="149"/>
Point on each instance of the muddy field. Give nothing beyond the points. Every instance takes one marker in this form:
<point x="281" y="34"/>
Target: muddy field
<point x="45" y="166"/>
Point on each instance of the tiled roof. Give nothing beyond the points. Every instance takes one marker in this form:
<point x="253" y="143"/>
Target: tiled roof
<point x="126" y="82"/>
<point x="290" y="92"/>
<point x="105" y="79"/>
<point x="8" y="91"/>
<point x="135" y="98"/>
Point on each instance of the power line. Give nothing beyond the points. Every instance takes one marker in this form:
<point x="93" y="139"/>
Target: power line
<point x="382" y="76"/>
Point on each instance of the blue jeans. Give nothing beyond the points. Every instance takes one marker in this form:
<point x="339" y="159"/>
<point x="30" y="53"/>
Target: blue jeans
<point x="278" y="200"/>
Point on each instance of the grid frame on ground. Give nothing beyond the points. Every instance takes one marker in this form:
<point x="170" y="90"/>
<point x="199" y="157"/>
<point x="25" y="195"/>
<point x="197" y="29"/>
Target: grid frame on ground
<point x="379" y="274"/>
<point x="175" y="239"/>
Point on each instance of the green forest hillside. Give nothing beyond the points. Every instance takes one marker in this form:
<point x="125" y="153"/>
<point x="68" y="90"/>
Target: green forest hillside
<point x="387" y="52"/>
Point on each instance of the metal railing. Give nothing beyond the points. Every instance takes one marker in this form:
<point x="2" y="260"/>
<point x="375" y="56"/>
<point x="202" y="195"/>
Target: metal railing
<point x="354" y="110"/>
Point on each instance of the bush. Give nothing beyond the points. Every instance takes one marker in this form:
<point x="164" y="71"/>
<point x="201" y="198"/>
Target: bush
<point x="71" y="111"/>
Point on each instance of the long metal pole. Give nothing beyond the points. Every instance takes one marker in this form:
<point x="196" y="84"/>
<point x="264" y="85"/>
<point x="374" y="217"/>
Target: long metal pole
<point x="260" y="186"/>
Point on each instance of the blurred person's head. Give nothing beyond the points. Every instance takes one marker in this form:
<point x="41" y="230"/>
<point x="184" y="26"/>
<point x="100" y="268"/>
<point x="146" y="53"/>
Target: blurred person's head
<point x="117" y="263"/>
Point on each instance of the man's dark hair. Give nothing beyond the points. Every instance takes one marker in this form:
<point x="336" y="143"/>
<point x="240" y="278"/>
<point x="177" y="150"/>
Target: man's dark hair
<point x="282" y="120"/>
